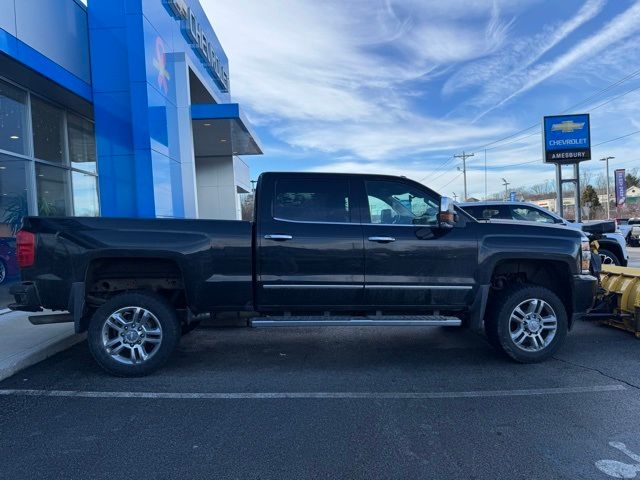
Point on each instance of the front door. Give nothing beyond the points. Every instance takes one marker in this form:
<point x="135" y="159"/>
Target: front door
<point x="409" y="260"/>
<point x="310" y="247"/>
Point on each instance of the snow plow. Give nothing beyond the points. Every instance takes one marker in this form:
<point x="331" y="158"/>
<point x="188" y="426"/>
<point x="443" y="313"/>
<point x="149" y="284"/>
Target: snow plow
<point x="618" y="300"/>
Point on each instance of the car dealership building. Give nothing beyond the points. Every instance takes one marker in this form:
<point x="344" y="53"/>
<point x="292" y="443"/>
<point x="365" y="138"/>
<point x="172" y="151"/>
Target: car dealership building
<point x="121" y="109"/>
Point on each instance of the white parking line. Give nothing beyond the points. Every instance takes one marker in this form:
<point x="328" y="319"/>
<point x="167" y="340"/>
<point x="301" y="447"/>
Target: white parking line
<point x="313" y="395"/>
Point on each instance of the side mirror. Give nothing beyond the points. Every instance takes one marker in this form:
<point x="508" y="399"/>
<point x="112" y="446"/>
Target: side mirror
<point x="447" y="215"/>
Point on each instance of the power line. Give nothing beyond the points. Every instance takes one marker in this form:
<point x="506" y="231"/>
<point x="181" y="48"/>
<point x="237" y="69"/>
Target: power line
<point x="588" y="99"/>
<point x="617" y="138"/>
<point x="450" y="181"/>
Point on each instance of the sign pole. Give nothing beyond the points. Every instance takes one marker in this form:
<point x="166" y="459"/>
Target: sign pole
<point x="559" y="204"/>
<point x="578" y="199"/>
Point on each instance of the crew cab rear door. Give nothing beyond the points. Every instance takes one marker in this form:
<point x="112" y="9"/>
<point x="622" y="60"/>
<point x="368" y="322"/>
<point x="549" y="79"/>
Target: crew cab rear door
<point x="310" y="250"/>
<point x="409" y="260"/>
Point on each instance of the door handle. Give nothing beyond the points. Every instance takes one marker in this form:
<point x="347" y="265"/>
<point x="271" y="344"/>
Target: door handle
<point x="382" y="239"/>
<point x="278" y="237"/>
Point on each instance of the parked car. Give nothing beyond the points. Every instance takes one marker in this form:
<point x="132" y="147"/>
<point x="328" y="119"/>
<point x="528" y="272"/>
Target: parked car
<point x="625" y="226"/>
<point x="8" y="264"/>
<point x="322" y="250"/>
<point x="613" y="246"/>
<point x="634" y="234"/>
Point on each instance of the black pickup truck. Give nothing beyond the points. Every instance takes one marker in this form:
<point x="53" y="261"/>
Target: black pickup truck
<point x="323" y="249"/>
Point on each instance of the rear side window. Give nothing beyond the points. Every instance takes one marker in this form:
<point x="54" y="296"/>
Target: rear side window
<point x="484" y="211"/>
<point x="312" y="200"/>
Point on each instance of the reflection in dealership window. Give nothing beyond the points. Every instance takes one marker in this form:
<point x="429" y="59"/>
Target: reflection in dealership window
<point x="400" y="204"/>
<point x="82" y="143"/>
<point x="85" y="195"/>
<point x="53" y="191"/>
<point x="13" y="119"/>
<point x="13" y="207"/>
<point x="47" y="130"/>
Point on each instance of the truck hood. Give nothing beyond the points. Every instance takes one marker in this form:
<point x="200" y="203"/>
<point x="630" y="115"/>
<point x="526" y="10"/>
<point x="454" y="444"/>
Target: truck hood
<point x="522" y="228"/>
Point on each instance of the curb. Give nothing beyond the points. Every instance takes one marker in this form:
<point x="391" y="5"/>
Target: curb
<point x="33" y="355"/>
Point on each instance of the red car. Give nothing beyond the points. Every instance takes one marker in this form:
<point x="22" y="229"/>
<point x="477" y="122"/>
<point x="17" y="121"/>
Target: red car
<point x="8" y="264"/>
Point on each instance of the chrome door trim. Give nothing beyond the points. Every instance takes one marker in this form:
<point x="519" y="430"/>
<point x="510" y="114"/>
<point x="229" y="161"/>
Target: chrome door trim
<point x="321" y="286"/>
<point x="423" y="287"/>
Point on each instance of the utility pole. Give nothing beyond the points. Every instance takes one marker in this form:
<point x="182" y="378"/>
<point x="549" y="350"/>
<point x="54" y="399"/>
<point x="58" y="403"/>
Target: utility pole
<point x="506" y="189"/>
<point x="464" y="157"/>
<point x="455" y="197"/>
<point x="606" y="159"/>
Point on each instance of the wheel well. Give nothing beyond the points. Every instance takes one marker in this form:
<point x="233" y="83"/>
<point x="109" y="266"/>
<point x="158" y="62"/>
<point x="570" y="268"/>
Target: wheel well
<point x="109" y="276"/>
<point x="553" y="275"/>
<point x="613" y="247"/>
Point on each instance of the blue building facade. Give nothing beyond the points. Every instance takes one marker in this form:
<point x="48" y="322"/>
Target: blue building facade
<point x="122" y="108"/>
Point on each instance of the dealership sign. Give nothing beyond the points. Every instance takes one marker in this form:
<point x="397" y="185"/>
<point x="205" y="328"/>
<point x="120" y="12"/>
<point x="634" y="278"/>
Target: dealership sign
<point x="194" y="33"/>
<point x="621" y="187"/>
<point x="566" y="138"/>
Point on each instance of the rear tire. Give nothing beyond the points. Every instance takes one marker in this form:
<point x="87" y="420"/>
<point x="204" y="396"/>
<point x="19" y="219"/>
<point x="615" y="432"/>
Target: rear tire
<point x="527" y="322"/>
<point x="133" y="334"/>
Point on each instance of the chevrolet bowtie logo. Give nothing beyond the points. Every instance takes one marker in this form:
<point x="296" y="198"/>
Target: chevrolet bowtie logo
<point x="567" y="126"/>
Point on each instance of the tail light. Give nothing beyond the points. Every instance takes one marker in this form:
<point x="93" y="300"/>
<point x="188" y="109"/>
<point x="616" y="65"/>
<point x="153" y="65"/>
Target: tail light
<point x="25" y="248"/>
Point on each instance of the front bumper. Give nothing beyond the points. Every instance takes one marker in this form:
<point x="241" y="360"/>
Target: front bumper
<point x="583" y="289"/>
<point x="26" y="296"/>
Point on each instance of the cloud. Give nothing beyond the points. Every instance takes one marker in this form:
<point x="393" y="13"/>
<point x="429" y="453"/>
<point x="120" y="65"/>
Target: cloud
<point x="347" y="66"/>
<point x="622" y="26"/>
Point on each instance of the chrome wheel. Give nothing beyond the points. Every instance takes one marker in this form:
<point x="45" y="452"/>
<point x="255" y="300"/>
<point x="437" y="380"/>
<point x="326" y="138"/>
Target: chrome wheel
<point x="3" y="272"/>
<point x="131" y="335"/>
<point x="606" y="259"/>
<point x="533" y="325"/>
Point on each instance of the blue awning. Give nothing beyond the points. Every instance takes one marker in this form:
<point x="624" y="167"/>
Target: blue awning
<point x="221" y="129"/>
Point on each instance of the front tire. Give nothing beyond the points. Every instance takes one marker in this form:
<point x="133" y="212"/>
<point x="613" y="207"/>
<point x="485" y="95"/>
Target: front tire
<point x="607" y="257"/>
<point x="3" y="272"/>
<point x="133" y="334"/>
<point x="527" y="322"/>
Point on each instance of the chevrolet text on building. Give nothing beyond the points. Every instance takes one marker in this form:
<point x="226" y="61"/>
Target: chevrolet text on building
<point x="566" y="138"/>
<point x="193" y="30"/>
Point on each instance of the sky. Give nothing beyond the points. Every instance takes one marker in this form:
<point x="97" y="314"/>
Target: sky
<point x="399" y="86"/>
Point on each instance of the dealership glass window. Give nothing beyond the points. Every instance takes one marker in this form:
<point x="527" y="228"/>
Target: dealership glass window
<point x="85" y="195"/>
<point x="13" y="207"/>
<point x="47" y="122"/>
<point x="13" y="119"/>
<point x="82" y="143"/>
<point x="312" y="200"/>
<point x="398" y="203"/>
<point x="52" y="186"/>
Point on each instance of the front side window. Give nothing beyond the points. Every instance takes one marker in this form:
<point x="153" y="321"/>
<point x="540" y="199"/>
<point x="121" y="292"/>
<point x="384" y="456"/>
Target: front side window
<point x="529" y="214"/>
<point x="396" y="203"/>
<point x="312" y="200"/>
<point x="48" y="140"/>
<point x="13" y="119"/>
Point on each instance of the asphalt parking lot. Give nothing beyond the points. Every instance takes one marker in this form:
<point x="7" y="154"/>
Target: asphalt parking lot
<point x="332" y="403"/>
<point x="634" y="257"/>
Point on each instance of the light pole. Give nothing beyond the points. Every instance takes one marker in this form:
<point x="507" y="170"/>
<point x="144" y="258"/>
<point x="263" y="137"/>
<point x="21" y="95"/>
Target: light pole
<point x="506" y="189"/>
<point x="606" y="160"/>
